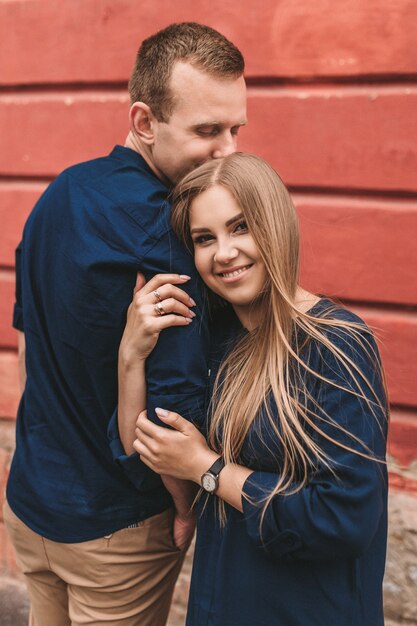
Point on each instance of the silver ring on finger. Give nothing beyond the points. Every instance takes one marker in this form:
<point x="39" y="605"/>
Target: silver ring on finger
<point x="159" y="308"/>
<point x="157" y="295"/>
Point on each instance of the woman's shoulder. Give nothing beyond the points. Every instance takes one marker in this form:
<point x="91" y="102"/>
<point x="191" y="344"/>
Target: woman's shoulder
<point x="325" y="308"/>
<point x="340" y="325"/>
<point x="344" y="338"/>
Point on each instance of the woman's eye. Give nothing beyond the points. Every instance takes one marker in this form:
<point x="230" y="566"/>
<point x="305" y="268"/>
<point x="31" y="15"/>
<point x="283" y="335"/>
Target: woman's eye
<point x="242" y="226"/>
<point x="200" y="239"/>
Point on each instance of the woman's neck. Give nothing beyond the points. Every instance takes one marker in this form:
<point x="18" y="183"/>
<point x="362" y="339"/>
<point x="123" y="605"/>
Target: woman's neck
<point x="250" y="316"/>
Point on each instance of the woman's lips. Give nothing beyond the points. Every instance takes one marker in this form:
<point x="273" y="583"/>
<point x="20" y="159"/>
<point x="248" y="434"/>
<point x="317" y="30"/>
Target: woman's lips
<point x="233" y="274"/>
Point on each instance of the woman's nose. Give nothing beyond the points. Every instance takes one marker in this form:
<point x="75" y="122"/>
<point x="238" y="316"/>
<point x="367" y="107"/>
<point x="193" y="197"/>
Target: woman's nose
<point x="225" y="252"/>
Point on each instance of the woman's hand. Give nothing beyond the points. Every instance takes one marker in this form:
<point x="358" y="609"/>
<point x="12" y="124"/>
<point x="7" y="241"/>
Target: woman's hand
<point x="180" y="451"/>
<point x="156" y="305"/>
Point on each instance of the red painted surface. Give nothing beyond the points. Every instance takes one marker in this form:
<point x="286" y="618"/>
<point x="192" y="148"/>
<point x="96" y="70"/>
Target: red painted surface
<point x="362" y="138"/>
<point x="402" y="445"/>
<point x="7" y="284"/>
<point x="43" y="134"/>
<point x="358" y="138"/>
<point x="9" y="386"/>
<point x="16" y="202"/>
<point x="402" y="483"/>
<point x="359" y="249"/>
<point x="397" y="337"/>
<point x="52" y="41"/>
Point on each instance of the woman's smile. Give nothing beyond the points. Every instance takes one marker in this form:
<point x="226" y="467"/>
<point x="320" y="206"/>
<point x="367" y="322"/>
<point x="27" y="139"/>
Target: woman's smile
<point x="234" y="274"/>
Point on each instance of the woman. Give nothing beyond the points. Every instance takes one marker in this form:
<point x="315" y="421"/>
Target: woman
<point x="292" y="527"/>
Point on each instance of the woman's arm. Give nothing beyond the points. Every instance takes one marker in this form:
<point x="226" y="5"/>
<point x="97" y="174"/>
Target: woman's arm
<point x="143" y="326"/>
<point x="145" y="321"/>
<point x="183" y="452"/>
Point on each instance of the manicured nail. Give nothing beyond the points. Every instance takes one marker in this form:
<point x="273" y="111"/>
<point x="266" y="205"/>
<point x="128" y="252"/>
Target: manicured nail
<point x="191" y="313"/>
<point x="161" y="412"/>
<point x="188" y="319"/>
<point x="192" y="302"/>
<point x="184" y="277"/>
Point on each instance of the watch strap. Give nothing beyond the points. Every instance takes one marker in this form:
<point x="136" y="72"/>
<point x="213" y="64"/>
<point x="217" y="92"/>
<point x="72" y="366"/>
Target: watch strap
<point x="217" y="467"/>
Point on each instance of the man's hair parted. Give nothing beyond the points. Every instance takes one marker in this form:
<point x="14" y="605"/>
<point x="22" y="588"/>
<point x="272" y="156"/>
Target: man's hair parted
<point x="201" y="46"/>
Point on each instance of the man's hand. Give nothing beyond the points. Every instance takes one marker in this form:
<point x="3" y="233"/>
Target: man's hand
<point x="183" y="531"/>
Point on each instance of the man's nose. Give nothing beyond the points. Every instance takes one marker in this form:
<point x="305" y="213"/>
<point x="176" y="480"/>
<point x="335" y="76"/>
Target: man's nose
<point x="226" y="144"/>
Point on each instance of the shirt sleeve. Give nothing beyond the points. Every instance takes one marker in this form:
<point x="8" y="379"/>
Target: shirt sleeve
<point x="338" y="512"/>
<point x="176" y="370"/>
<point x="18" y="306"/>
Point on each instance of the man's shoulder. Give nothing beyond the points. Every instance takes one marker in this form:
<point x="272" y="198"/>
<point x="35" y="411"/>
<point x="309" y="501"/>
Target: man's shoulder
<point x="123" y="177"/>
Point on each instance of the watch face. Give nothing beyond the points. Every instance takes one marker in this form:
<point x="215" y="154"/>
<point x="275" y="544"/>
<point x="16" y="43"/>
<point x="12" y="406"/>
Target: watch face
<point x="208" y="482"/>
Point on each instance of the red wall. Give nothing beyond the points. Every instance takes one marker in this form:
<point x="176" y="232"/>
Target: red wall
<point x="332" y="105"/>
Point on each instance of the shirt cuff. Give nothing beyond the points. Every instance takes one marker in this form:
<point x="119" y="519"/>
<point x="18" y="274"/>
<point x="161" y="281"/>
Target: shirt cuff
<point x="139" y="474"/>
<point x="189" y="406"/>
<point x="265" y="531"/>
<point x="18" y="317"/>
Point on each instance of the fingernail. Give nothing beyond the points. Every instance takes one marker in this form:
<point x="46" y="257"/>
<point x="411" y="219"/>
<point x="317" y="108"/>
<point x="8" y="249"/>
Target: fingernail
<point x="161" y="412"/>
<point x="188" y="320"/>
<point x="184" y="277"/>
<point x="192" y="302"/>
<point x="192" y="314"/>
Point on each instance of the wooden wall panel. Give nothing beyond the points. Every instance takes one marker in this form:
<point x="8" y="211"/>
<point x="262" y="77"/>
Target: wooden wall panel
<point x="96" y="40"/>
<point x="361" y="138"/>
<point x="358" y="248"/>
<point x="397" y="338"/>
<point x="16" y="202"/>
<point x="402" y="443"/>
<point x="357" y="138"/>
<point x="9" y="384"/>
<point x="8" y="334"/>
<point x="43" y="134"/>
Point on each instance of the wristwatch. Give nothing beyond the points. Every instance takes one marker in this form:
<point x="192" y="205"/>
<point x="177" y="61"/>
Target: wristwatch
<point x="210" y="479"/>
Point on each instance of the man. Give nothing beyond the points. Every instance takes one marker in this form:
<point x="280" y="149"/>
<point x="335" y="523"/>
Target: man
<point x="96" y="549"/>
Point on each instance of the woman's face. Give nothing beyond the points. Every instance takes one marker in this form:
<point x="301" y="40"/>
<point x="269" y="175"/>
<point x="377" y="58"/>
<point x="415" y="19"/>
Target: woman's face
<point x="225" y="253"/>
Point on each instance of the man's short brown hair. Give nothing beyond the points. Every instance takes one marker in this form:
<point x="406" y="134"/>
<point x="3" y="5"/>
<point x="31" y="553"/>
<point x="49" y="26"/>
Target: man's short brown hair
<point x="201" y="46"/>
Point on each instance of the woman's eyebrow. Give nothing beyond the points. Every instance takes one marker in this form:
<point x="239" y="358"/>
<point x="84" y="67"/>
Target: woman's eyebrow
<point x="234" y="219"/>
<point x="204" y="229"/>
<point x="199" y="230"/>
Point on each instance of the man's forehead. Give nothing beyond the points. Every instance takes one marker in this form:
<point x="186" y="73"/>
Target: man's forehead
<point x="187" y="79"/>
<point x="208" y="100"/>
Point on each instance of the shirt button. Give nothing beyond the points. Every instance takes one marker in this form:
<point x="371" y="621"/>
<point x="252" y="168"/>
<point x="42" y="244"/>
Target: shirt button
<point x="290" y="542"/>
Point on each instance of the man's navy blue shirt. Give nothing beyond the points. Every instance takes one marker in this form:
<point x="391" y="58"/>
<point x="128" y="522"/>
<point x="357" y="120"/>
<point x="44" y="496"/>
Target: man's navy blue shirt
<point x="94" y="227"/>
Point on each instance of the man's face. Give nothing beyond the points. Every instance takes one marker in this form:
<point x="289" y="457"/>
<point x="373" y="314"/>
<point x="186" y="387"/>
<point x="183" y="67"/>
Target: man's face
<point x="208" y="113"/>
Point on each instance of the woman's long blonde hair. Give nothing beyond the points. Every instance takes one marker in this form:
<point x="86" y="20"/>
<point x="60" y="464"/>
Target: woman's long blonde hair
<point x="266" y="363"/>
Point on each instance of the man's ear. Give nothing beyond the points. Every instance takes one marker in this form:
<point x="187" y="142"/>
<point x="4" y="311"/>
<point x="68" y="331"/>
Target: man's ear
<point x="142" y="122"/>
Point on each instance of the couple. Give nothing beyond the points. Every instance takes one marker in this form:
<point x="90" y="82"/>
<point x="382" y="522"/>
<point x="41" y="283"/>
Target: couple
<point x="291" y="527"/>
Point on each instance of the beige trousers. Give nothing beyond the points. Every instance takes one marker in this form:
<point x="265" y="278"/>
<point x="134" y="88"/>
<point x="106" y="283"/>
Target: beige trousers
<point x="124" y="579"/>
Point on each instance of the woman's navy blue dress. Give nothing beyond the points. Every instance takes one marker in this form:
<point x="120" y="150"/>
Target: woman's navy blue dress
<point x="319" y="559"/>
